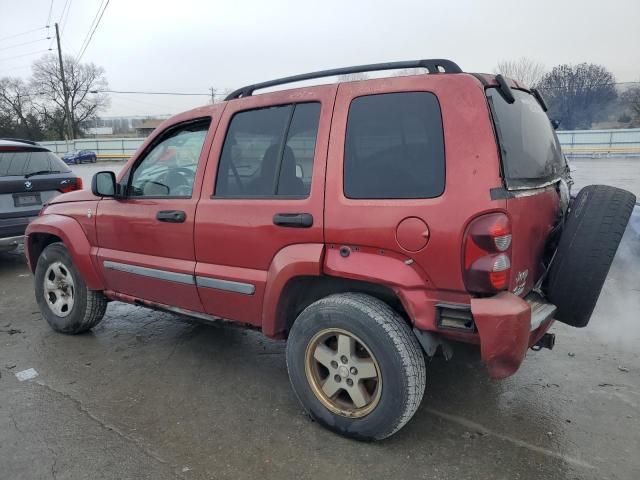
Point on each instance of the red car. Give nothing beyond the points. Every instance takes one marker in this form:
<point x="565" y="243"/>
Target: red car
<point x="369" y="223"/>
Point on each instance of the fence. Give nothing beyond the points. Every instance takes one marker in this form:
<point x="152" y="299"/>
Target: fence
<point x="575" y="143"/>
<point x="596" y="143"/>
<point x="105" y="148"/>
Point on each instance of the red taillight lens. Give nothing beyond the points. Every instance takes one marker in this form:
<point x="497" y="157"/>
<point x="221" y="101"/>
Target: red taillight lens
<point x="487" y="254"/>
<point x="72" y="185"/>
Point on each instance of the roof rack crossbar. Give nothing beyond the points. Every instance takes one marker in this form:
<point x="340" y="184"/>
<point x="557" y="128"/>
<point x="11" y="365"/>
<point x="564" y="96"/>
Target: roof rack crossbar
<point x="432" y="66"/>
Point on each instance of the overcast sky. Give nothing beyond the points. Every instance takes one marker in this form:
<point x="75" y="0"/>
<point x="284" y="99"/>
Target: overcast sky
<point x="190" y="45"/>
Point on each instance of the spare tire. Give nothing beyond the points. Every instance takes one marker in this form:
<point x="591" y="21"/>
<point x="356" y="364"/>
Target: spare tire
<point x="593" y="229"/>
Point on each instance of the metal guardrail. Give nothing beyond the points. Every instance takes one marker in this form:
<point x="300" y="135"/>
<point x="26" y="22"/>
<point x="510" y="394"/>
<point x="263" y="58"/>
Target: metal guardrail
<point x="575" y="143"/>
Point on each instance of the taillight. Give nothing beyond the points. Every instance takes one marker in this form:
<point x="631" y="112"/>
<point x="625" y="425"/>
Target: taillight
<point x="487" y="254"/>
<point x="72" y="185"/>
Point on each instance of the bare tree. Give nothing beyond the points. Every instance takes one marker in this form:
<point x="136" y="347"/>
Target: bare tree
<point x="18" y="116"/>
<point x="82" y="79"/>
<point x="523" y="69"/>
<point x="578" y="95"/>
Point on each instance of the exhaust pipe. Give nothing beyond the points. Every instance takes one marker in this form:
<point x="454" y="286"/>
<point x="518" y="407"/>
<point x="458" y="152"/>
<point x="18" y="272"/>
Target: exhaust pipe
<point x="548" y="340"/>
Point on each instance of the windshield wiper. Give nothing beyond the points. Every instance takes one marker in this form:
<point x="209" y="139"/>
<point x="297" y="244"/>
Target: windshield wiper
<point x="41" y="172"/>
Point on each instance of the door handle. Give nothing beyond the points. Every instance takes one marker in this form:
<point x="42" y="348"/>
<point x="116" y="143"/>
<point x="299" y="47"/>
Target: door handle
<point x="293" y="220"/>
<point x="171" y="216"/>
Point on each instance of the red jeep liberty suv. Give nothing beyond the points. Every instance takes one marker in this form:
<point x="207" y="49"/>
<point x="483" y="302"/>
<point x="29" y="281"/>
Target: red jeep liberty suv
<point x="369" y="223"/>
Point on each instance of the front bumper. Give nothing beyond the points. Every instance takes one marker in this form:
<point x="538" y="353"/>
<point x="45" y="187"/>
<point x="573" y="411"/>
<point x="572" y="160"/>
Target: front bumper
<point x="508" y="325"/>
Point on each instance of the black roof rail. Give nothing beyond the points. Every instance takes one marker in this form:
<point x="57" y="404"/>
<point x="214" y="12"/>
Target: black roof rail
<point x="30" y="142"/>
<point x="432" y="66"/>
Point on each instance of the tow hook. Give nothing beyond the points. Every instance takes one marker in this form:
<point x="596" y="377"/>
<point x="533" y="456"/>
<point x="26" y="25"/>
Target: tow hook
<point x="548" y="340"/>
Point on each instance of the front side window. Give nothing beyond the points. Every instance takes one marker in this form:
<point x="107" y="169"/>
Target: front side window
<point x="269" y="152"/>
<point x="394" y="147"/>
<point x="169" y="168"/>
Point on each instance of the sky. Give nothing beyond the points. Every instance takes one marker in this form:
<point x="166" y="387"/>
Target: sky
<point x="193" y="45"/>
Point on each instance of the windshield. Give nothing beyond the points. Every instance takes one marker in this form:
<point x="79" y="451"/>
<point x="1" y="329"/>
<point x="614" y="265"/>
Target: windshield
<point x="529" y="147"/>
<point x="24" y="162"/>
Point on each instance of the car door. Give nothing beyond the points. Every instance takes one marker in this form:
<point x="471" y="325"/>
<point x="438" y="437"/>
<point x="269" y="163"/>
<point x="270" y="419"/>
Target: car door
<point x="145" y="238"/>
<point x="263" y="191"/>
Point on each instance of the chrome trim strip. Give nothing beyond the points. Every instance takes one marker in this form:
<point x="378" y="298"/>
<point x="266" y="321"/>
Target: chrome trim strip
<point x="150" y="272"/>
<point x="227" y="285"/>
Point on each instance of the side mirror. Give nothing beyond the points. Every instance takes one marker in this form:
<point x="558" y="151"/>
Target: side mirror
<point x="104" y="184"/>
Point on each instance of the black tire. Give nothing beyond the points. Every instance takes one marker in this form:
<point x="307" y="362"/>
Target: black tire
<point x="392" y="344"/>
<point x="88" y="306"/>
<point x="594" y="227"/>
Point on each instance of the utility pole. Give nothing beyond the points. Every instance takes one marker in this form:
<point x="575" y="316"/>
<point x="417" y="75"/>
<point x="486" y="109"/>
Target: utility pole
<point x="213" y="95"/>
<point x="65" y="92"/>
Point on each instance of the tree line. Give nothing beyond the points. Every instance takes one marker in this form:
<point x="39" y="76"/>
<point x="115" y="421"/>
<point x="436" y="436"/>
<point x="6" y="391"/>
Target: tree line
<point x="34" y="108"/>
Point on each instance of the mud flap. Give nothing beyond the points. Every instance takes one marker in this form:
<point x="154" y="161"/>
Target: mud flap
<point x="503" y="322"/>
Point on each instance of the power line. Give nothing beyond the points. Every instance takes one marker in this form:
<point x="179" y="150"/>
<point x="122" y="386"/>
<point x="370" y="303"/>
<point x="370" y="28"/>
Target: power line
<point x="49" y="16"/>
<point x="23" y="33"/>
<point x="63" y="21"/>
<point x="24" y="43"/>
<point x="92" y="32"/>
<point x="23" y="55"/>
<point x="157" y="93"/>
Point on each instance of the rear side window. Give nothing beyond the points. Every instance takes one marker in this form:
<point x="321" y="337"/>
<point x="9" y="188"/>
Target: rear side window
<point x="394" y="147"/>
<point x="269" y="152"/>
<point x="23" y="162"/>
<point x="529" y="148"/>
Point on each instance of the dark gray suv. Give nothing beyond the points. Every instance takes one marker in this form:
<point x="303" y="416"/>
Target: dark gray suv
<point x="30" y="176"/>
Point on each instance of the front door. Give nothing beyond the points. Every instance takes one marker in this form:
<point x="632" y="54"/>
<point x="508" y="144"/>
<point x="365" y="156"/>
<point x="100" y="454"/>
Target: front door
<point x="263" y="191"/>
<point x="146" y="238"/>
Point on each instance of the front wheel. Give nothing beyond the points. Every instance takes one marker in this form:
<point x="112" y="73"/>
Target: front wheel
<point x="356" y="366"/>
<point x="63" y="298"/>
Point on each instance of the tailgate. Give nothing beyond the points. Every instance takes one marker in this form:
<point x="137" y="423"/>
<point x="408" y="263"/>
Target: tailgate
<point x="533" y="215"/>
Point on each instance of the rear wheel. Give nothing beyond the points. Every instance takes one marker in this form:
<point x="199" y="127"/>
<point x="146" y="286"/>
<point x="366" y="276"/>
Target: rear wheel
<point x="594" y="227"/>
<point x="63" y="298"/>
<point x="356" y="366"/>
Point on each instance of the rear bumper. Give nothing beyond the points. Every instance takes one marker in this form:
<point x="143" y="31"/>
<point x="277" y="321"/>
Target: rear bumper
<point x="507" y="326"/>
<point x="13" y="228"/>
<point x="9" y="243"/>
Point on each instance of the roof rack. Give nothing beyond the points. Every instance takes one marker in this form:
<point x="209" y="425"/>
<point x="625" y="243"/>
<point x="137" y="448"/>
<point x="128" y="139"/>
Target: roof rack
<point x="432" y="66"/>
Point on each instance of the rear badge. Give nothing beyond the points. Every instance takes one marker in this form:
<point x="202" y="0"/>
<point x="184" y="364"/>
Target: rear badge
<point x="27" y="185"/>
<point x="521" y="281"/>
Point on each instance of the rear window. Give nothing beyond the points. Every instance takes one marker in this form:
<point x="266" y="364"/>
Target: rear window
<point x="394" y="147"/>
<point x="24" y="162"/>
<point x="530" y="151"/>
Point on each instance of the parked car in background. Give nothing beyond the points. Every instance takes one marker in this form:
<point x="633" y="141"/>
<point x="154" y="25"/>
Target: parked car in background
<point x="80" y="156"/>
<point x="370" y="223"/>
<point x="30" y="176"/>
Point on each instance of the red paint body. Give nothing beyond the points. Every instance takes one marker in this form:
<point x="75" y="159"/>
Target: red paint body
<point x="236" y="240"/>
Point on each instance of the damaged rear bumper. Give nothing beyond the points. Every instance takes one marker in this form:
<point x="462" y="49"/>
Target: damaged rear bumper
<point x="507" y="326"/>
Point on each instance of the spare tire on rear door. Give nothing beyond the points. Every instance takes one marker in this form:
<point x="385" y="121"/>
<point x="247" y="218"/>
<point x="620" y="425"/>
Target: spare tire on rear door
<point x="594" y="227"/>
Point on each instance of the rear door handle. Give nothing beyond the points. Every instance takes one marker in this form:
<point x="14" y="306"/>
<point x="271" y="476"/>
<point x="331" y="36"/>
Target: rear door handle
<point x="293" y="220"/>
<point x="171" y="216"/>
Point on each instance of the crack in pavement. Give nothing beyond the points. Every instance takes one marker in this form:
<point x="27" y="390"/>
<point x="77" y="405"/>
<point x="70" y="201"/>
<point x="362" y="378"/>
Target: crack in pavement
<point x="112" y="428"/>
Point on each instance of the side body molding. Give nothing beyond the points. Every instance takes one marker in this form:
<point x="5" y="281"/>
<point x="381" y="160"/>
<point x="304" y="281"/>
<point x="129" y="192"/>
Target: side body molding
<point x="74" y="238"/>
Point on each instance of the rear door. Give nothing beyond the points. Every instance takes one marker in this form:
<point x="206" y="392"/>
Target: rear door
<point x="263" y="190"/>
<point x="146" y="238"/>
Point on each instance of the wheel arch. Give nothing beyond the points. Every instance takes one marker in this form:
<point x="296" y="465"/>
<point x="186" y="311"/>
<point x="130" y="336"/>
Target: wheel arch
<point x="52" y="228"/>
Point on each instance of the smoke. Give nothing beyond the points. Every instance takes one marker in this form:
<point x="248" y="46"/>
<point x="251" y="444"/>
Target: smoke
<point x="616" y="319"/>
